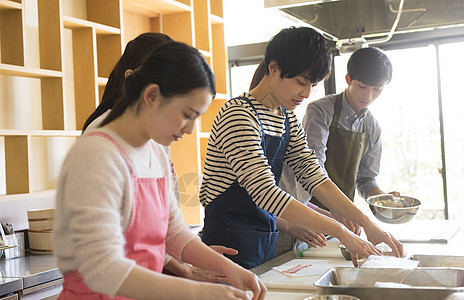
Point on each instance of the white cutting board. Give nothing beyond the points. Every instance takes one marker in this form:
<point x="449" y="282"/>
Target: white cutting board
<point x="271" y="295"/>
<point x="331" y="250"/>
<point x="274" y="279"/>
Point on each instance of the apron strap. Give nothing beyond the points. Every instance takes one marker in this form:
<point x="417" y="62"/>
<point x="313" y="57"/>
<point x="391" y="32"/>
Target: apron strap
<point x="337" y="110"/>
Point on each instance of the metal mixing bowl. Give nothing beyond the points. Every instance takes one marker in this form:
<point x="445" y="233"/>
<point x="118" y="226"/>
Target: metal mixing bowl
<point x="394" y="210"/>
<point x="347" y="254"/>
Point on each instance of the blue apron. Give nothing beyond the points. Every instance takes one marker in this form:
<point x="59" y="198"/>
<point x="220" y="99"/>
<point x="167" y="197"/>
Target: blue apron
<point x="234" y="220"/>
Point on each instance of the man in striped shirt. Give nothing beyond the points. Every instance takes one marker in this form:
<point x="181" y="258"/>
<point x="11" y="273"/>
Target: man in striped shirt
<point x="251" y="138"/>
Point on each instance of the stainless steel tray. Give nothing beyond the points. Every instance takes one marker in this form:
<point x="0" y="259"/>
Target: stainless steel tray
<point x="423" y="283"/>
<point x="426" y="260"/>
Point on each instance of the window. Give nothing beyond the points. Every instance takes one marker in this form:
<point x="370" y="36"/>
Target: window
<point x="451" y="71"/>
<point x="408" y="112"/>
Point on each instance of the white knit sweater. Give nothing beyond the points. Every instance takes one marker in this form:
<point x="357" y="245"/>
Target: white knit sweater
<point x="94" y="200"/>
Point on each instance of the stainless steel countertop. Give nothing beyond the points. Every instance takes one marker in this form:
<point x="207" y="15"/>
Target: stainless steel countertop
<point x="10" y="285"/>
<point x="28" y="271"/>
<point x="453" y="247"/>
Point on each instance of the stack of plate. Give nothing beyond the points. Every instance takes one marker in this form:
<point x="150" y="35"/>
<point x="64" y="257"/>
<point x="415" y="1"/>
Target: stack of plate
<point x="41" y="231"/>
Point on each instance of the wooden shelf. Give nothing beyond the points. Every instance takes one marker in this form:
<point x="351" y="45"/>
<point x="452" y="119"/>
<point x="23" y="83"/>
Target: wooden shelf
<point x="40" y="133"/>
<point x="102" y="81"/>
<point x="217" y="8"/>
<point x="79" y="42"/>
<point x="76" y="23"/>
<point x="220" y="96"/>
<point x="204" y="135"/>
<point x="33" y="195"/>
<point x="205" y="53"/>
<point x="13" y="70"/>
<point x="216" y="19"/>
<point x="10" y="5"/>
<point x="207" y="119"/>
<point x="154" y="8"/>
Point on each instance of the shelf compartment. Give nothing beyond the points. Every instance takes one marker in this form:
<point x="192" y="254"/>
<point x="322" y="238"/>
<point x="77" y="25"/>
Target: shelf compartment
<point x="217" y="8"/>
<point x="157" y="7"/>
<point x="109" y="50"/>
<point x="220" y="58"/>
<point x="10" y="5"/>
<point x="76" y="23"/>
<point x="12" y="37"/>
<point x="179" y="26"/>
<point x="50" y="34"/>
<point x="16" y="164"/>
<point x="202" y="25"/>
<point x="107" y="12"/>
<point x="12" y="70"/>
<point x="45" y="160"/>
<point x="52" y="103"/>
<point x="207" y="119"/>
<point x="140" y="22"/>
<point x="85" y="73"/>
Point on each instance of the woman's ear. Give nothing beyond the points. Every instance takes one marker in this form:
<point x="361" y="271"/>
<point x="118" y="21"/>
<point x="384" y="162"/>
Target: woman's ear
<point x="128" y="72"/>
<point x="151" y="95"/>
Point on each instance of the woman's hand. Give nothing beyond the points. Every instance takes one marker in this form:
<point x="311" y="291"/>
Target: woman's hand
<point x="220" y="291"/>
<point x="224" y="250"/>
<point x="245" y="280"/>
<point x="200" y="274"/>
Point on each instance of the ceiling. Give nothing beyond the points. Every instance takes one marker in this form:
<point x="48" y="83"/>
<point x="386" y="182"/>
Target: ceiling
<point x="372" y="20"/>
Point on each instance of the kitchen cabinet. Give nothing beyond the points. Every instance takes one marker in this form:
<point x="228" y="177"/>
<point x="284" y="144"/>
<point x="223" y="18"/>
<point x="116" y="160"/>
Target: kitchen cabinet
<point x="55" y="59"/>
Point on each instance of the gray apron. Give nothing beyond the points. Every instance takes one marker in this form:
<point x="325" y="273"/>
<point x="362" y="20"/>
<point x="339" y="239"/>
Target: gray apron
<point x="343" y="155"/>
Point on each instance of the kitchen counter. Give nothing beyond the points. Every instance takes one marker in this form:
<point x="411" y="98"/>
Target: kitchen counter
<point x="28" y="271"/>
<point x="279" y="260"/>
<point x="10" y="285"/>
<point x="270" y="277"/>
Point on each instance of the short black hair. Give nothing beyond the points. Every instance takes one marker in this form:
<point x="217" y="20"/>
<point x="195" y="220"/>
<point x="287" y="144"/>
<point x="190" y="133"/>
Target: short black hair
<point x="370" y="66"/>
<point x="299" y="50"/>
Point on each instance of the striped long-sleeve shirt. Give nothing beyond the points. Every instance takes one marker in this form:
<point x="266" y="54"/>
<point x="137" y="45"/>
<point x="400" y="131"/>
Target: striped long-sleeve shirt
<point x="234" y="152"/>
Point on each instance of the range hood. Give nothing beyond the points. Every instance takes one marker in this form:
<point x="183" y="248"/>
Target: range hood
<point x="355" y="22"/>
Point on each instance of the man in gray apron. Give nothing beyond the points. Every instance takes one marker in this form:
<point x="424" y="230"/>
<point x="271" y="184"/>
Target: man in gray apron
<point x="343" y="132"/>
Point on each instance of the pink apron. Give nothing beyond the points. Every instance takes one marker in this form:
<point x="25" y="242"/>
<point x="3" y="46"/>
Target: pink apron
<point x="145" y="235"/>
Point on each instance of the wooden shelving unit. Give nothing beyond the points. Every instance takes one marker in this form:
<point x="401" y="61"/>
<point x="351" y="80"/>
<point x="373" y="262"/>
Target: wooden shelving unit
<point x="79" y="41"/>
